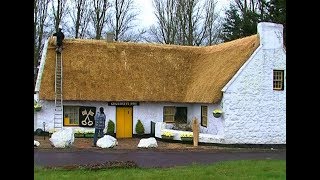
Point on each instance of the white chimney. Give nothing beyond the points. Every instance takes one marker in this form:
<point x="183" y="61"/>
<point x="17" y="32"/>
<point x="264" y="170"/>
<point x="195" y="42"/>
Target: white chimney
<point x="271" y="35"/>
<point x="110" y="37"/>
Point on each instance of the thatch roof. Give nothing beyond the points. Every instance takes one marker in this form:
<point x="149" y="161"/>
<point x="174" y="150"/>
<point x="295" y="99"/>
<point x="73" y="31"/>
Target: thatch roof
<point x="96" y="70"/>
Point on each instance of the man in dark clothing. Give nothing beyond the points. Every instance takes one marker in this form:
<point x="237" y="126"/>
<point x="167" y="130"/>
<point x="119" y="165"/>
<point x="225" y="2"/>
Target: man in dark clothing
<point x="100" y="121"/>
<point x="60" y="38"/>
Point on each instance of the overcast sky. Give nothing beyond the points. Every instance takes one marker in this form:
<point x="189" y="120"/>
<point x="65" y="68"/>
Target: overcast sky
<point x="147" y="16"/>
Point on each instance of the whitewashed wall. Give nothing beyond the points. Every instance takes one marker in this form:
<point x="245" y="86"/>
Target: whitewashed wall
<point x="254" y="113"/>
<point x="47" y="112"/>
<point x="146" y="112"/>
<point x="215" y="126"/>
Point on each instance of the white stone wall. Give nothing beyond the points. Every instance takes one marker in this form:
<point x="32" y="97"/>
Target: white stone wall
<point x="254" y="113"/>
<point x="47" y="112"/>
<point x="215" y="126"/>
<point x="146" y="112"/>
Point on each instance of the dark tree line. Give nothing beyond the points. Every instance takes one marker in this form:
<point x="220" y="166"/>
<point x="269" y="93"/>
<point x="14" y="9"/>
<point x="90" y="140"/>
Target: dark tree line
<point x="243" y="15"/>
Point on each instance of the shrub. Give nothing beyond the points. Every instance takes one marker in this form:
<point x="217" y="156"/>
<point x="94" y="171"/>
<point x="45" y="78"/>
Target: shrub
<point x="139" y="127"/>
<point x="110" y="128"/>
<point x="38" y="132"/>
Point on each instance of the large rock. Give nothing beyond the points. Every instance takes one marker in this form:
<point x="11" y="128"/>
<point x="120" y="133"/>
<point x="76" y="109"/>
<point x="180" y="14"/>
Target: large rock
<point x="36" y="143"/>
<point x="107" y="142"/>
<point x="148" y="143"/>
<point x="62" y="139"/>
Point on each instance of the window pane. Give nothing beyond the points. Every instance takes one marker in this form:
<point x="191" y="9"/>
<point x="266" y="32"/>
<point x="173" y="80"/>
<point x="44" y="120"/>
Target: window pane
<point x="204" y="121"/>
<point x="204" y="112"/>
<point x="169" y="118"/>
<point x="278" y="78"/>
<point x="168" y="113"/>
<point x="71" y="115"/>
<point x="181" y="115"/>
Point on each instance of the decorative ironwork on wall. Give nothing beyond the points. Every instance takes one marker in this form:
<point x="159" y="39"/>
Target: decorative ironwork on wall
<point x="86" y="116"/>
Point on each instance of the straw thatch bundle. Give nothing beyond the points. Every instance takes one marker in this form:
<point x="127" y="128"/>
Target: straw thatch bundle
<point x="97" y="70"/>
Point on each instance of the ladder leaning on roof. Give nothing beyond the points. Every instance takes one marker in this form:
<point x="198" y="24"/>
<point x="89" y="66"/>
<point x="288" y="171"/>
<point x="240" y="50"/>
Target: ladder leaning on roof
<point x="58" y="110"/>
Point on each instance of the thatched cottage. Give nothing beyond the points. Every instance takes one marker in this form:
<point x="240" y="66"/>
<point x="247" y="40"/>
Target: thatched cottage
<point x="245" y="78"/>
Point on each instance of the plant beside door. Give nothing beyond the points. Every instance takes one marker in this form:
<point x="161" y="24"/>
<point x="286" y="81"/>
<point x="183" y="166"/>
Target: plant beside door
<point x="139" y="128"/>
<point x="110" y="128"/>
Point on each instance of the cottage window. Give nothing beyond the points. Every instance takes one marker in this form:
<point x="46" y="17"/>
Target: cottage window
<point x="181" y="115"/>
<point x="175" y="114"/>
<point x="71" y="115"/>
<point x="168" y="113"/>
<point x="78" y="116"/>
<point x="204" y="116"/>
<point x="278" y="79"/>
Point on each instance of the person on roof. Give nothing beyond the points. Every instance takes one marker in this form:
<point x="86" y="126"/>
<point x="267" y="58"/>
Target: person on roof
<point x="60" y="38"/>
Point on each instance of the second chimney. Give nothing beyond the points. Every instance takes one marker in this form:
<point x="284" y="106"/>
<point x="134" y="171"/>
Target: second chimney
<point x="271" y="35"/>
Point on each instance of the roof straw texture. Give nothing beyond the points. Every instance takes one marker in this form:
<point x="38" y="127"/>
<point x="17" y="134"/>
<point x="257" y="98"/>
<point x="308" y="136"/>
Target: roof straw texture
<point x="96" y="70"/>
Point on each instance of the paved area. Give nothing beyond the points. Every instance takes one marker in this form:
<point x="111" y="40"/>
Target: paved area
<point x="148" y="158"/>
<point x="167" y="154"/>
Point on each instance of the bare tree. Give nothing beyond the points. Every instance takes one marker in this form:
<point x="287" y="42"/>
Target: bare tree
<point x="211" y="27"/>
<point x="59" y="9"/>
<point x="250" y="5"/>
<point x="80" y="17"/>
<point x="189" y="16"/>
<point x="184" y="22"/>
<point x="123" y="13"/>
<point x="166" y="29"/>
<point x="40" y="16"/>
<point x="99" y="16"/>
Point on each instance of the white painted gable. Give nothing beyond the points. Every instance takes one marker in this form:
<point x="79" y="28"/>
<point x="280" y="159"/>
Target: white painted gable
<point x="253" y="111"/>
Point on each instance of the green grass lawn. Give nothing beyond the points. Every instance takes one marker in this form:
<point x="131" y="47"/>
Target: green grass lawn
<point x="244" y="169"/>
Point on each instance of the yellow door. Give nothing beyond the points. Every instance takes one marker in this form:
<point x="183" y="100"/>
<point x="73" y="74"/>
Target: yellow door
<point x="124" y="122"/>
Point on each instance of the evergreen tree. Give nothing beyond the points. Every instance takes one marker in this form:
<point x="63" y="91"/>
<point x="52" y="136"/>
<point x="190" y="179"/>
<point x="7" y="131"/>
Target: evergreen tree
<point x="232" y="27"/>
<point x="242" y="17"/>
<point x="238" y="25"/>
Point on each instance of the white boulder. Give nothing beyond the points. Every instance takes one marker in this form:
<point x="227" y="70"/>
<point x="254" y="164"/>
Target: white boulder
<point x="148" y="143"/>
<point x="107" y="141"/>
<point x="63" y="138"/>
<point x="36" y="143"/>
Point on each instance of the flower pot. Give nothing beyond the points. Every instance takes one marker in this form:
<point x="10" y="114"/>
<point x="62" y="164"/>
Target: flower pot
<point x="216" y="115"/>
<point x="187" y="139"/>
<point x="167" y="137"/>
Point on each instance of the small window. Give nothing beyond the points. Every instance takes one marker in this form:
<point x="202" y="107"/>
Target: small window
<point x="82" y="116"/>
<point x="278" y="79"/>
<point x="204" y="116"/>
<point x="168" y="113"/>
<point x="71" y="115"/>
